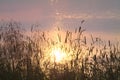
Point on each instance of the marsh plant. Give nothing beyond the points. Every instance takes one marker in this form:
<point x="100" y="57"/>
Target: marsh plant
<point x="37" y="55"/>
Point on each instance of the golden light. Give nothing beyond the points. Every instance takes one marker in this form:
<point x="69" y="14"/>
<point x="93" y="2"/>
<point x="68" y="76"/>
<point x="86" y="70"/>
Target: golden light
<point x="58" y="55"/>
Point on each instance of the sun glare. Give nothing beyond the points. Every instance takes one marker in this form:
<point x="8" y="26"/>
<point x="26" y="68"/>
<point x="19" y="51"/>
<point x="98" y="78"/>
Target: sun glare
<point x="58" y="55"/>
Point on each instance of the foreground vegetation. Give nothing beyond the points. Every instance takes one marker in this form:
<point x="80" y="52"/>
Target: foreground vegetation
<point x="24" y="55"/>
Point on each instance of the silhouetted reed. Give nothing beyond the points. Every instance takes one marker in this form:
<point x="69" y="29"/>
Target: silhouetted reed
<point x="23" y="55"/>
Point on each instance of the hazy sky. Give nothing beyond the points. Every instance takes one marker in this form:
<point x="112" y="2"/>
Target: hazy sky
<point x="100" y="15"/>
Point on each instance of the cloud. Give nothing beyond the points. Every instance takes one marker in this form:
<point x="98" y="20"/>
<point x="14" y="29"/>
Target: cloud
<point x="105" y="15"/>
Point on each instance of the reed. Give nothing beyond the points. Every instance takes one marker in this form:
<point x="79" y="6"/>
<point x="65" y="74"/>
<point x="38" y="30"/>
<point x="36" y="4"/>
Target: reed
<point x="25" y="56"/>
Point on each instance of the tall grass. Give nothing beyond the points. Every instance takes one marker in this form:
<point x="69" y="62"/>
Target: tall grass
<point x="24" y="55"/>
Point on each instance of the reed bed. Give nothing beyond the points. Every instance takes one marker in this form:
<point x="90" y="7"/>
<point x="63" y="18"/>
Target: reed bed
<point x="25" y="55"/>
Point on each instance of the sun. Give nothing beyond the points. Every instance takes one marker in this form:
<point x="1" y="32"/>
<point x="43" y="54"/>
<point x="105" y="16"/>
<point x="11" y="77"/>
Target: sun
<point x="57" y="55"/>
